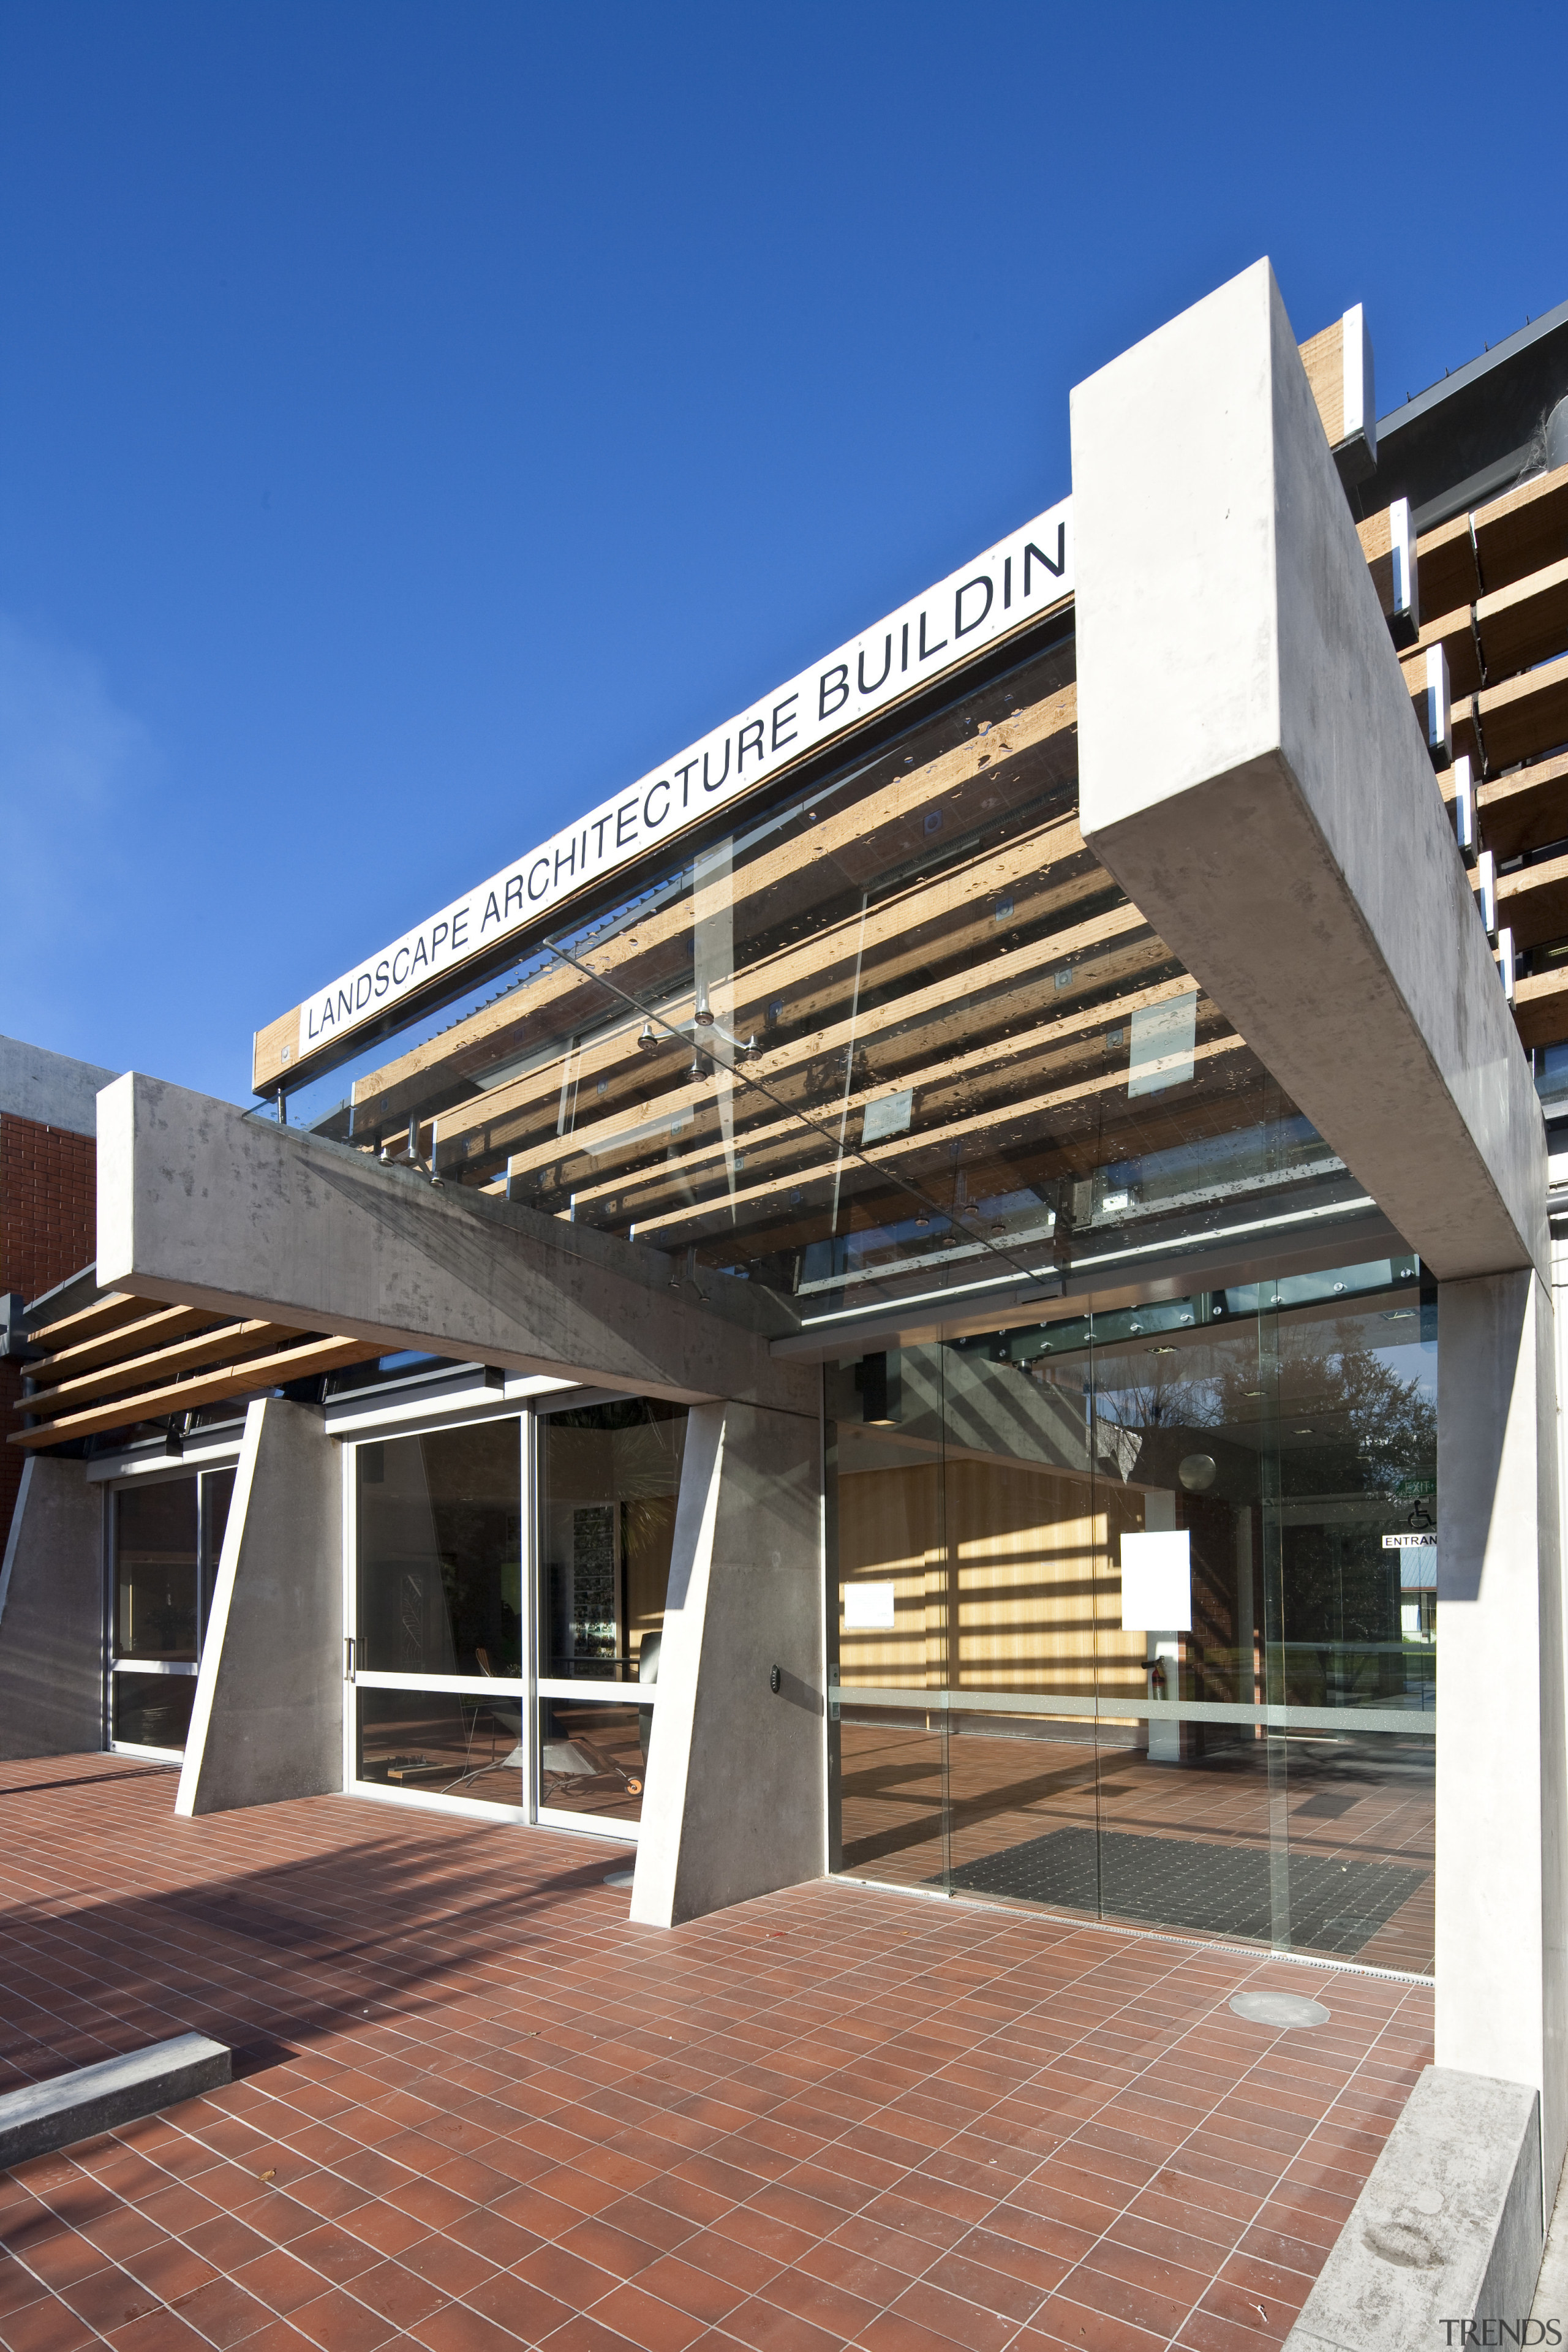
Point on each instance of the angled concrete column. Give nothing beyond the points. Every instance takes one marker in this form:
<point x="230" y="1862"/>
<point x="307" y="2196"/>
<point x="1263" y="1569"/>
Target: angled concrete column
<point x="735" y="1801"/>
<point x="51" y="1615"/>
<point x="201" y="1205"/>
<point x="1502" y="1784"/>
<point x="267" y="1720"/>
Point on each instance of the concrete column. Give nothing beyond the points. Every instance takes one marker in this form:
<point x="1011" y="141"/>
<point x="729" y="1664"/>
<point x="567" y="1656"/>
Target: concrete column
<point x="268" y="1713"/>
<point x="1502" y="1785"/>
<point x="735" y="1803"/>
<point x="51" y="1615"/>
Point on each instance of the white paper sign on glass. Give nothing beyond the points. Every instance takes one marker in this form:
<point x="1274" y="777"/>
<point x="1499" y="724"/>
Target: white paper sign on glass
<point x="1162" y="1045"/>
<point x="1157" y="1582"/>
<point x="868" y="1608"/>
<point x="888" y="1115"/>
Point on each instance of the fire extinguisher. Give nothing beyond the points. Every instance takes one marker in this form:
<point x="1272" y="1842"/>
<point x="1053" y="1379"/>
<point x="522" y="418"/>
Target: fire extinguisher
<point x="1156" y="1677"/>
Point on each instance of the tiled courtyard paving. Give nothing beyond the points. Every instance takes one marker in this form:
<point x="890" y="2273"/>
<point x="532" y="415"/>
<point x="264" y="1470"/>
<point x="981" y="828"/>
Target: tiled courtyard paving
<point x="477" y="2106"/>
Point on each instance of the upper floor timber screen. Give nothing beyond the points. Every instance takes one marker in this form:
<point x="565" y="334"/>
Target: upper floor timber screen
<point x="896" y="1033"/>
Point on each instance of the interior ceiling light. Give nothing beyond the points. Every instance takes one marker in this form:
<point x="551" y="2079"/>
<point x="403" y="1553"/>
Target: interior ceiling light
<point x="1162" y="1352"/>
<point x="1303" y="1432"/>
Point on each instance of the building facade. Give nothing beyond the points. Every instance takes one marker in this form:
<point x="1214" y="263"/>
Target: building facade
<point x="956" y="1286"/>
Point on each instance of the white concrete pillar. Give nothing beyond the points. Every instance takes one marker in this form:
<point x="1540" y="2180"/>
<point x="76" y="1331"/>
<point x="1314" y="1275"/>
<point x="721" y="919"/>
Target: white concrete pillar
<point x="1503" y="1983"/>
<point x="736" y="1803"/>
<point x="51" y="1615"/>
<point x="267" y="1717"/>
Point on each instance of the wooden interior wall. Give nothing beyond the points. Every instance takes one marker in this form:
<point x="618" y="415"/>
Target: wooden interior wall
<point x="1005" y="1578"/>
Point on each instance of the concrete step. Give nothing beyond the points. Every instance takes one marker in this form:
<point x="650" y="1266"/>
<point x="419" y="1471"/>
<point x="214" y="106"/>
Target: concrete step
<point x="46" y="2115"/>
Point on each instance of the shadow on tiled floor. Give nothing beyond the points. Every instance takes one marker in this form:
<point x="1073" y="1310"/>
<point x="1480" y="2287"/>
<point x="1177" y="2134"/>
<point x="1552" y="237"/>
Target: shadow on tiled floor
<point x="483" y="2108"/>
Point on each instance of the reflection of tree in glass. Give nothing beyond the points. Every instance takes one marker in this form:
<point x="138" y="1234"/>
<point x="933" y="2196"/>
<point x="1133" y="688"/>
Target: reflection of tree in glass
<point x="1349" y="1392"/>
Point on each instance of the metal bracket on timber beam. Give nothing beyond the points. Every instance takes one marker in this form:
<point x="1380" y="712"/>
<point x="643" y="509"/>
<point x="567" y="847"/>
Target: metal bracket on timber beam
<point x="1265" y="796"/>
<point x="219" y="1210"/>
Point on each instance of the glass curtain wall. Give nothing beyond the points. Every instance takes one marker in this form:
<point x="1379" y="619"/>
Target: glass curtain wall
<point x="892" y="1033"/>
<point x="609" y="1477"/>
<point x="1135" y="1615"/>
<point x="166" y="1535"/>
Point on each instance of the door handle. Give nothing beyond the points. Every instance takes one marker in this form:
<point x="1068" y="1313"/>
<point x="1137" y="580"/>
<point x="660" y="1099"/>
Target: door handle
<point x="348" y="1657"/>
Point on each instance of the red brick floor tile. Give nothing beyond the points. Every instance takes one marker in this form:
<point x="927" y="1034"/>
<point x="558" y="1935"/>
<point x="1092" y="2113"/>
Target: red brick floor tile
<point x="223" y="2313"/>
<point x="959" y="2319"/>
<point x="277" y="2336"/>
<point x="279" y="2280"/>
<point x="821" y="2302"/>
<point x="46" y="2327"/>
<point x="457" y="2328"/>
<point x="159" y="2331"/>
<point x="337" y="2322"/>
<point x="767" y="2327"/>
<point x="447" y="2264"/>
<point x="699" y="2292"/>
<point x="646" y="2320"/>
<point x="57" y="2256"/>
<point x="516" y="2302"/>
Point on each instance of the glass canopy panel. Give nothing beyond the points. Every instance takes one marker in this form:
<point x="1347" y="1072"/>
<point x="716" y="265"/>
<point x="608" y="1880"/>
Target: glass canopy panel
<point x="894" y="1033"/>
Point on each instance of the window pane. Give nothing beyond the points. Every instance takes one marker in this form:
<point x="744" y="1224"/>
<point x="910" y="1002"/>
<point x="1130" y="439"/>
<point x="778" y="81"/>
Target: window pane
<point x="609" y="1478"/>
<point x="442" y="1743"/>
<point x="217" y="1494"/>
<point x="155" y="1571"/>
<point x="152" y="1710"/>
<point x="593" y="1758"/>
<point x="440" y="1529"/>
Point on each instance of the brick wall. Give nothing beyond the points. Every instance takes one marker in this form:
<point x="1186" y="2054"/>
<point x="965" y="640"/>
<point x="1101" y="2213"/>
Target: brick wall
<point x="48" y="1232"/>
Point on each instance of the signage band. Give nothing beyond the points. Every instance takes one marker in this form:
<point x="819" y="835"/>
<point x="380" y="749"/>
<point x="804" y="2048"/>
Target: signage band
<point x="1024" y="573"/>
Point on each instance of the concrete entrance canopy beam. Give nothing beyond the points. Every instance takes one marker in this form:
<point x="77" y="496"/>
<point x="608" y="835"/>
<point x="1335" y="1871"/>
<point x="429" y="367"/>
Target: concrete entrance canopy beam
<point x="1252" y="774"/>
<point x="201" y="1205"/>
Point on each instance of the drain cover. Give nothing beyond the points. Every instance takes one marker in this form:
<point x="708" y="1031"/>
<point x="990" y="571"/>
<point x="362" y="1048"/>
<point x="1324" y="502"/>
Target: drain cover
<point x="624" y="1878"/>
<point x="1279" y="2009"/>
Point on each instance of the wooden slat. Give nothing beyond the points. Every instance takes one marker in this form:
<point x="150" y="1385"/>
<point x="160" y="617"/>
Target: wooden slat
<point x="1056" y="1041"/>
<point x="902" y="1147"/>
<point x="1541" y="1007"/>
<point x="207" y="1387"/>
<point x="1323" y="357"/>
<point x="1022" y="753"/>
<point x="274" y="1050"/>
<point x="104" y="1315"/>
<point x="1446" y="567"/>
<point x="229" y="1343"/>
<point x="129" y="1340"/>
<point x="1522" y="625"/>
<point x="1525" y="809"/>
<point x="772" y="1070"/>
<point x="1533" y="903"/>
<point x="1518" y="720"/>
<point x="1453" y="632"/>
<point x="512" y="1116"/>
<point x="1375" y="537"/>
<point x="1523" y="531"/>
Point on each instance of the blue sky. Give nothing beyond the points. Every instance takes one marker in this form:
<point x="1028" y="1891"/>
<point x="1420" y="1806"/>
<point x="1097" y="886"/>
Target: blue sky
<point x="417" y="420"/>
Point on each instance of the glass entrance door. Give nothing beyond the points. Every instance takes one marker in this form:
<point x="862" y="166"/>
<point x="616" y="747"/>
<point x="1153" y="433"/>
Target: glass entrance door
<point x="1136" y="1615"/>
<point x="608" y="1479"/>
<point x="437" y="1617"/>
